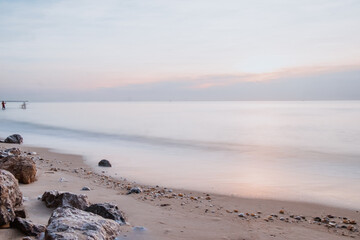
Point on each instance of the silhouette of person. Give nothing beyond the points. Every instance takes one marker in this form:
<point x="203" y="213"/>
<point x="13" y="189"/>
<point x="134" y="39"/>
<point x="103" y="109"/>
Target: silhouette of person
<point x="3" y="105"/>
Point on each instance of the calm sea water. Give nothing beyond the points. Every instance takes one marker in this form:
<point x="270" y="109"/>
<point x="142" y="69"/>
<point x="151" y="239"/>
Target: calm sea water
<point x="306" y="151"/>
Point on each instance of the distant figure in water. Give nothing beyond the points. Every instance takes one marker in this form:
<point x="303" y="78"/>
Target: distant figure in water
<point x="23" y="106"/>
<point x="3" y="105"/>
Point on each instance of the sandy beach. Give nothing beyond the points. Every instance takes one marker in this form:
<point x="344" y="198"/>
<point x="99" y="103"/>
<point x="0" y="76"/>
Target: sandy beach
<point x="161" y="213"/>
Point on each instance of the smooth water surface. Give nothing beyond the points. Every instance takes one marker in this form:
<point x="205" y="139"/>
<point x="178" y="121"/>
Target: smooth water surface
<point x="306" y="151"/>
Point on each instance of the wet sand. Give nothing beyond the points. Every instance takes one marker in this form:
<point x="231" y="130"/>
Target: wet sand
<point x="164" y="213"/>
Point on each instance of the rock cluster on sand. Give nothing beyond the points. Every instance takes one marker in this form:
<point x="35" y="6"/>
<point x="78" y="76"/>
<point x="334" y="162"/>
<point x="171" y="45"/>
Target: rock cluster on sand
<point x="15" y="138"/>
<point x="73" y="217"/>
<point x="104" y="163"/>
<point x="23" y="168"/>
<point x="56" y="199"/>
<point x="10" y="197"/>
<point x="70" y="223"/>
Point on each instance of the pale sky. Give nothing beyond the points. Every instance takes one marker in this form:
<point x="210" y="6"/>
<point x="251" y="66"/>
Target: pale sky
<point x="179" y="49"/>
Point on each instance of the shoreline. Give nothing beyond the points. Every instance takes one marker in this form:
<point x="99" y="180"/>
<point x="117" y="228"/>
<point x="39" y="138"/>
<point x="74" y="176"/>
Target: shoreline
<point x="176" y="213"/>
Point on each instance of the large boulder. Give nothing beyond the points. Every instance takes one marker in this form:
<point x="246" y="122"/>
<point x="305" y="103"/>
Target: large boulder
<point x="15" y="138"/>
<point x="27" y="227"/>
<point x="71" y="223"/>
<point x="56" y="199"/>
<point x="10" y="197"/>
<point x="107" y="210"/>
<point x="104" y="163"/>
<point x="23" y="168"/>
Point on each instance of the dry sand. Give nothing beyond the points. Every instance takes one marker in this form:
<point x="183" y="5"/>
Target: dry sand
<point x="175" y="213"/>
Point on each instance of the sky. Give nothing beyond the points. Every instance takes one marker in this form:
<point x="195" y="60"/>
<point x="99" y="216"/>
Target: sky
<point x="90" y="50"/>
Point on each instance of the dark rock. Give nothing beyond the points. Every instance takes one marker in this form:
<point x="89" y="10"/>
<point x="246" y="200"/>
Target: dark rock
<point x="85" y="189"/>
<point x="20" y="213"/>
<point x="27" y="227"/>
<point x="56" y="199"/>
<point x="23" y="168"/>
<point x="15" y="138"/>
<point x="107" y="210"/>
<point x="104" y="163"/>
<point x="70" y="223"/>
<point x="165" y="205"/>
<point x="317" y="219"/>
<point x="26" y="238"/>
<point x="135" y="190"/>
<point x="10" y="197"/>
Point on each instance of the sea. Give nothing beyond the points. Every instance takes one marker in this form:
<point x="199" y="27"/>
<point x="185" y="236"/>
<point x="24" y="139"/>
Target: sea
<point x="298" y="150"/>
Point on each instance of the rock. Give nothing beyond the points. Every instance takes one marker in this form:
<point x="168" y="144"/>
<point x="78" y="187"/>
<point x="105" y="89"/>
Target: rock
<point x="107" y="210"/>
<point x="27" y="227"/>
<point x="135" y="190"/>
<point x="325" y="220"/>
<point x="104" y="163"/>
<point x="13" y="151"/>
<point x="10" y="197"/>
<point x="56" y="199"/>
<point x="20" y="213"/>
<point x="281" y="211"/>
<point x="15" y="138"/>
<point x="317" y="219"/>
<point x="70" y="223"/>
<point x="23" y="168"/>
<point x="241" y="215"/>
<point x="26" y="238"/>
<point x="85" y="189"/>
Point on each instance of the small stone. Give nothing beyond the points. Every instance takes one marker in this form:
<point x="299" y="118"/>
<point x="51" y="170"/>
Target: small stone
<point x="325" y="220"/>
<point x="15" y="138"/>
<point x="281" y="211"/>
<point x="241" y="215"/>
<point x="282" y="219"/>
<point x="317" y="219"/>
<point x="139" y="229"/>
<point x="104" y="163"/>
<point x="136" y="190"/>
<point x="85" y="189"/>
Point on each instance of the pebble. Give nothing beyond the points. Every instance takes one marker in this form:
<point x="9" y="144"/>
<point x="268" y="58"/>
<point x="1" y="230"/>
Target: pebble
<point x="281" y="211"/>
<point x="136" y="190"/>
<point x="241" y="214"/>
<point x="62" y="179"/>
<point x="139" y="229"/>
<point x="85" y="189"/>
